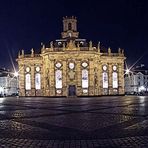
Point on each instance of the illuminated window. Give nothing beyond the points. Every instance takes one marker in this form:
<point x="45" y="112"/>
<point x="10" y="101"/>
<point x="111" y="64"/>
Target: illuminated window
<point x="28" y="82"/>
<point x="71" y="65"/>
<point x="104" y="67"/>
<point x="115" y="80"/>
<point x="58" y="91"/>
<point x="105" y="80"/>
<point x="85" y="91"/>
<point x="37" y="81"/>
<point x="84" y="64"/>
<point x="84" y="78"/>
<point x="58" y="65"/>
<point x="37" y="68"/>
<point x="28" y="69"/>
<point x="58" y="78"/>
<point x="114" y="67"/>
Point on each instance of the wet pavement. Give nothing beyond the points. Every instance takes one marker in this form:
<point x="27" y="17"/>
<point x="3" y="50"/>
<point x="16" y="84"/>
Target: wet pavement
<point x="36" y="122"/>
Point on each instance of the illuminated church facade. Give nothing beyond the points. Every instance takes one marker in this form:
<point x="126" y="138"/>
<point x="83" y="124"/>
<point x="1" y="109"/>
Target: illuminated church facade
<point x="71" y="66"/>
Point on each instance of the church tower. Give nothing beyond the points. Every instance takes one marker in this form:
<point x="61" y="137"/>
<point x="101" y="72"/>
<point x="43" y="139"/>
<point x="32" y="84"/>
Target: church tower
<point x="70" y="28"/>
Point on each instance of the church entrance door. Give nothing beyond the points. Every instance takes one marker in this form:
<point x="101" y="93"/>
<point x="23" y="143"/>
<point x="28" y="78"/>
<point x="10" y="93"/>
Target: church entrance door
<point x="72" y="90"/>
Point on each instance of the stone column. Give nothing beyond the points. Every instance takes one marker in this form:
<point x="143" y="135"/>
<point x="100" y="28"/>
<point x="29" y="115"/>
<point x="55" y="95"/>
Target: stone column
<point x="43" y="78"/>
<point x="110" y="71"/>
<point x="79" y="78"/>
<point x="32" y="80"/>
<point x="46" y="75"/>
<point x="99" y="77"/>
<point x="121" y="78"/>
<point x="64" y="82"/>
<point x="52" y="78"/>
<point x="41" y="91"/>
<point x="91" y="77"/>
<point x="96" y="77"/>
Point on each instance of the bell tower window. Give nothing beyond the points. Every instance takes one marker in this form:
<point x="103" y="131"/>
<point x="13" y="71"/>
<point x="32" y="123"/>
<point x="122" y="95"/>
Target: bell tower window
<point x="69" y="26"/>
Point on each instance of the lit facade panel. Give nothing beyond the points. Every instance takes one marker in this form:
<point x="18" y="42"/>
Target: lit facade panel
<point x="105" y="80"/>
<point x="58" y="79"/>
<point x="71" y="66"/>
<point x="85" y="78"/>
<point x="28" y="82"/>
<point x="115" y="80"/>
<point x="37" y="81"/>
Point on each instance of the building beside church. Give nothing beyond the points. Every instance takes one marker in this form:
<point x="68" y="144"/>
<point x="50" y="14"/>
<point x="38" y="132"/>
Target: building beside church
<point x="71" y="66"/>
<point x="136" y="81"/>
<point x="8" y="83"/>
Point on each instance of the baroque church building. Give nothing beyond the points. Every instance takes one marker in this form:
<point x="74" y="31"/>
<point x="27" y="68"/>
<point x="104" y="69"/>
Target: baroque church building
<point x="71" y="66"/>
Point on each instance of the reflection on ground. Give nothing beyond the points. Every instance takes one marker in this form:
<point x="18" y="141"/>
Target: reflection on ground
<point x="117" y="121"/>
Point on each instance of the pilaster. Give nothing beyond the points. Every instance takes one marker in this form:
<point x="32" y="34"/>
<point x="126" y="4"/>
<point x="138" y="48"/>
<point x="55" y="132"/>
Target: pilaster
<point x="33" y="80"/>
<point x="64" y="80"/>
<point x="52" y="78"/>
<point x="110" y="71"/>
<point x="79" y="77"/>
<point x="121" y="78"/>
<point x="91" y="77"/>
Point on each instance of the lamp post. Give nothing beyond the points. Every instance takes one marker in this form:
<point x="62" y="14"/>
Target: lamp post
<point x="131" y="81"/>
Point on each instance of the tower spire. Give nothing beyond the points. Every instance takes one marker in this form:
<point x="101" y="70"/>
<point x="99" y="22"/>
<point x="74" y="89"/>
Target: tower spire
<point x="70" y="27"/>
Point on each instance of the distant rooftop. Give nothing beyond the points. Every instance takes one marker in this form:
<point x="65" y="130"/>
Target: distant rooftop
<point x="140" y="68"/>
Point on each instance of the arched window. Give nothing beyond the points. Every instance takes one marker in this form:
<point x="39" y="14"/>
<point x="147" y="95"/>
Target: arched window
<point x="37" y="81"/>
<point x="105" y="79"/>
<point x="69" y="26"/>
<point x="84" y="78"/>
<point x="115" y="80"/>
<point x="28" y="81"/>
<point x="58" y="79"/>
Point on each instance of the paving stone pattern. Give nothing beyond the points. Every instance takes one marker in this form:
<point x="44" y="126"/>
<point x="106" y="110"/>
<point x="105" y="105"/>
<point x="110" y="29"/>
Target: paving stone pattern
<point x="89" y="122"/>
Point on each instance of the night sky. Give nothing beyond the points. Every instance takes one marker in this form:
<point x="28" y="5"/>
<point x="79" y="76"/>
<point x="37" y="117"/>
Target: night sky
<point x="24" y="24"/>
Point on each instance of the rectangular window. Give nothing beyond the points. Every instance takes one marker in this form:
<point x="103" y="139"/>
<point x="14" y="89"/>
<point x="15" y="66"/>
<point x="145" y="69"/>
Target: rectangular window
<point x="58" y="79"/>
<point x="105" y="80"/>
<point x="28" y="82"/>
<point x="115" y="80"/>
<point x="37" y="81"/>
<point x="84" y="78"/>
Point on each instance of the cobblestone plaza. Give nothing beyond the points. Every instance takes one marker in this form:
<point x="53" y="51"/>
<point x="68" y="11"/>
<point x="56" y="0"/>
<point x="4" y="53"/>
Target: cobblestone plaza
<point x="34" y="122"/>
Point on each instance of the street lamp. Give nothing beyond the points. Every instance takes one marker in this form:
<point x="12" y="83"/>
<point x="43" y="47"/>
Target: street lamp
<point x="141" y="89"/>
<point x="16" y="74"/>
<point x="127" y="71"/>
